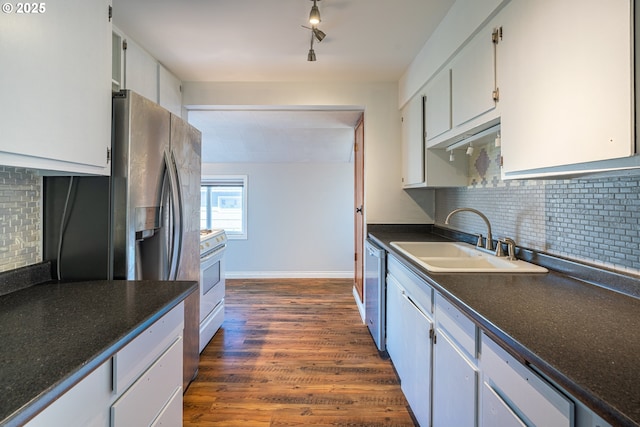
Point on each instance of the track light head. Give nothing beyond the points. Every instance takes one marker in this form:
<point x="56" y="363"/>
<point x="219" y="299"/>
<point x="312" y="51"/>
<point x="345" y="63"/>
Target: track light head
<point x="319" y="34"/>
<point x="314" y="16"/>
<point x="311" y="56"/>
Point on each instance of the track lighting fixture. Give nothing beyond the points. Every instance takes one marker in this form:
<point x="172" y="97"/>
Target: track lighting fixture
<point x="319" y="35"/>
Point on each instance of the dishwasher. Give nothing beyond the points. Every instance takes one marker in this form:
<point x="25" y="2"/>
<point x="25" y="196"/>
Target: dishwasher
<point x="375" y="292"/>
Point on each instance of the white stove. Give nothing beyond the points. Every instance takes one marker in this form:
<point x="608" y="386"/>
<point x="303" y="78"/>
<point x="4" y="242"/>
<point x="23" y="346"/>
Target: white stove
<point x="213" y="244"/>
<point x="211" y="239"/>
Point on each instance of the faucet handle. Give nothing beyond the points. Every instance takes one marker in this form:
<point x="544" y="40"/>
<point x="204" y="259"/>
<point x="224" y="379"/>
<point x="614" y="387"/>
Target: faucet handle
<point x="479" y="242"/>
<point x="499" y="250"/>
<point x="511" y="247"/>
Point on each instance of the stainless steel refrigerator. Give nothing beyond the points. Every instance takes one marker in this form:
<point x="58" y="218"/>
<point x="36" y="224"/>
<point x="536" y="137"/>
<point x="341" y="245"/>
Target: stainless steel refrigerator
<point x="142" y="222"/>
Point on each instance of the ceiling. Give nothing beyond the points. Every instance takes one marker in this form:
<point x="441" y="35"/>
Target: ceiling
<point x="263" y="41"/>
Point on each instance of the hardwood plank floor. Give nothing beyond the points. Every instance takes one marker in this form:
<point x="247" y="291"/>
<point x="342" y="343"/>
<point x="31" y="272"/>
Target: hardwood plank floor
<point x="293" y="352"/>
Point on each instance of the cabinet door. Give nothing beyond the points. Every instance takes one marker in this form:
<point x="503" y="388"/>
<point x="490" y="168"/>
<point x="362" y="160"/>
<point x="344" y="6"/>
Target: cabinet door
<point x="473" y="79"/>
<point x="566" y="87"/>
<point x="437" y="109"/>
<point x="169" y="91"/>
<point x="55" y="111"/>
<point x="141" y="71"/>
<point x="395" y="330"/>
<point x="455" y="384"/>
<point x="412" y="143"/>
<point x="416" y="385"/>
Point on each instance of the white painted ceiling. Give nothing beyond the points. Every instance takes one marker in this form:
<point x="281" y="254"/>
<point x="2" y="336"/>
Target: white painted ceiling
<point x="260" y="40"/>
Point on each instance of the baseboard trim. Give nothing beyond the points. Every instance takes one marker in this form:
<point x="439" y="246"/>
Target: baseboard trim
<point x="289" y="274"/>
<point x="359" y="304"/>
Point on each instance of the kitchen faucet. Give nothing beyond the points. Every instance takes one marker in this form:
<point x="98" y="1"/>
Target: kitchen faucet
<point x="488" y="244"/>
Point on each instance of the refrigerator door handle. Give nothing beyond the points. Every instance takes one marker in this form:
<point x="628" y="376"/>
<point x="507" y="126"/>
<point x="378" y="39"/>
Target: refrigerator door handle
<point x="176" y="215"/>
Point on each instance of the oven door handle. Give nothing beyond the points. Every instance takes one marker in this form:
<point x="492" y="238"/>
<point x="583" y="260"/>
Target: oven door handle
<point x="213" y="254"/>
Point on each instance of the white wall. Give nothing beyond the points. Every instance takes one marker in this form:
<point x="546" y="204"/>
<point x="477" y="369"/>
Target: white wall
<point x="300" y="220"/>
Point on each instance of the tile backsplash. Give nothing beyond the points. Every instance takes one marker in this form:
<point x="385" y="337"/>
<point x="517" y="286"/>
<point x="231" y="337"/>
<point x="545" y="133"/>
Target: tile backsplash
<point x="20" y="218"/>
<point x="593" y="220"/>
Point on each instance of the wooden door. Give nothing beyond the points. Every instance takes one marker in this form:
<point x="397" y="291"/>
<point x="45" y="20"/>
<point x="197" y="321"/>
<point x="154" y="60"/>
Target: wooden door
<point x="359" y="206"/>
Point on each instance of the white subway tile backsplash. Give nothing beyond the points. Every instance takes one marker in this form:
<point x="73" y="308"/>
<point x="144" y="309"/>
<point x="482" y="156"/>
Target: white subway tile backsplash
<point x="592" y="220"/>
<point x="20" y="218"/>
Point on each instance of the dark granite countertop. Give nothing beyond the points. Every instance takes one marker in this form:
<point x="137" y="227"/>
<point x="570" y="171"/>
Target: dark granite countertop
<point x="54" y="334"/>
<point x="584" y="337"/>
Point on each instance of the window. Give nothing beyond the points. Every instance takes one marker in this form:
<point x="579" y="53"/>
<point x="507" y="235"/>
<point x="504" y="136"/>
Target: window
<point x="224" y="204"/>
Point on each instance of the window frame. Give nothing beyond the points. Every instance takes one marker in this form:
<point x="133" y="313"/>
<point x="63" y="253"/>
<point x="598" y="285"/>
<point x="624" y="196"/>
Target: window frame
<point x="240" y="180"/>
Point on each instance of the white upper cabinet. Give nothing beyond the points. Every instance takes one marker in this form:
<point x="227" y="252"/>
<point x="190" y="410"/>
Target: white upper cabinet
<point x="437" y="113"/>
<point x="473" y="78"/>
<point x="566" y="83"/>
<point x="169" y="91"/>
<point x="141" y="71"/>
<point x="143" y="74"/>
<point x="423" y="167"/>
<point x="462" y="97"/>
<point x="55" y="112"/>
<point x="412" y="143"/>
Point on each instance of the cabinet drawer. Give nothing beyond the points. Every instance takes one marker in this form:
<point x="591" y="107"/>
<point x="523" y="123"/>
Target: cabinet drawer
<point x="141" y="404"/>
<point x="529" y="396"/>
<point x="85" y="404"/>
<point x="171" y="414"/>
<point x="458" y="326"/>
<point x="140" y="353"/>
<point x="495" y="411"/>
<point x="415" y="288"/>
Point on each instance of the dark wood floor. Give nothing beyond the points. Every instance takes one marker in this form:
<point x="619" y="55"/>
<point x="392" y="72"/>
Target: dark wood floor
<point x="292" y="353"/>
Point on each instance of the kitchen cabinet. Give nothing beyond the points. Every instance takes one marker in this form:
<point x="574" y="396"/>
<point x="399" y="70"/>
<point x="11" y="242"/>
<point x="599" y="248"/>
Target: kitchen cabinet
<point x="409" y="337"/>
<point x="86" y="404"/>
<point x="455" y="371"/>
<point x="513" y="391"/>
<point x="462" y="99"/>
<point x="169" y="91"/>
<point x="55" y="113"/>
<point x="135" y="69"/>
<point x="141" y="71"/>
<point x="424" y="167"/>
<point x="140" y="385"/>
<point x="473" y="78"/>
<point x="437" y="113"/>
<point x="412" y="143"/>
<point x="566" y="85"/>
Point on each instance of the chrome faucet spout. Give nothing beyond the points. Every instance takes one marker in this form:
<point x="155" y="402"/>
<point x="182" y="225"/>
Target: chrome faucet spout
<point x="488" y="244"/>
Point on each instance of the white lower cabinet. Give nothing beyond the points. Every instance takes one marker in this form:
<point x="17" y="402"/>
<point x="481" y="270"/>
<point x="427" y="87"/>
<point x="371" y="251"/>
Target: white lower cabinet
<point x="455" y="380"/>
<point x="455" y="371"/>
<point x="454" y="375"/>
<point x="495" y="411"/>
<point x="146" y="399"/>
<point x="84" y="405"/>
<point x="141" y="385"/>
<point x="409" y="317"/>
<point x="529" y="397"/>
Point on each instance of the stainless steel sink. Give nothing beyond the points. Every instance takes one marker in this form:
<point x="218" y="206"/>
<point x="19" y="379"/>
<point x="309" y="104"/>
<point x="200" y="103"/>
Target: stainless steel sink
<point x="453" y="257"/>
